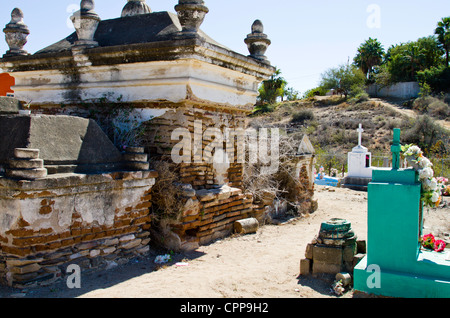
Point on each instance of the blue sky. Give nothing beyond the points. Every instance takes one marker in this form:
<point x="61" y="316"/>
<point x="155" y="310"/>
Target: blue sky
<point x="308" y="37"/>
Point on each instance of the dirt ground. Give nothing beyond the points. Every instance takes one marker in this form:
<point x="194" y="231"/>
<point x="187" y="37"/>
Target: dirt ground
<point x="261" y="265"/>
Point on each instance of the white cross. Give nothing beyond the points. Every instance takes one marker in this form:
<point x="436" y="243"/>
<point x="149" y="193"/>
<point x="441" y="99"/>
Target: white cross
<point x="360" y="131"/>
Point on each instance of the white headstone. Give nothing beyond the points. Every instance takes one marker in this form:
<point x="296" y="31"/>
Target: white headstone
<point x="360" y="159"/>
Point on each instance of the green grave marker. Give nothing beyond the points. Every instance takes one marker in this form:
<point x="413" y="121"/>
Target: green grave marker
<point x="395" y="264"/>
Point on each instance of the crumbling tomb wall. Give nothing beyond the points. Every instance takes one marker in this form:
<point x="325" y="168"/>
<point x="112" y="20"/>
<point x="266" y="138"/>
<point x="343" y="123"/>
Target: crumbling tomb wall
<point x="200" y="122"/>
<point x="212" y="196"/>
<point x="171" y="77"/>
<point x="88" y="220"/>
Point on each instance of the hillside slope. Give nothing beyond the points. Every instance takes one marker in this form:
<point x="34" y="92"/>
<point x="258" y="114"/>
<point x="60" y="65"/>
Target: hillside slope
<point x="332" y="122"/>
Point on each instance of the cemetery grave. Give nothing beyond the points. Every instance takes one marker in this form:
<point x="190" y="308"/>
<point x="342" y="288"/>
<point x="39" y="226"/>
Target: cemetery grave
<point x="75" y="191"/>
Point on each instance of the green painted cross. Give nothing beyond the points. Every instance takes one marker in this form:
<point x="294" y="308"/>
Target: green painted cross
<point x="395" y="149"/>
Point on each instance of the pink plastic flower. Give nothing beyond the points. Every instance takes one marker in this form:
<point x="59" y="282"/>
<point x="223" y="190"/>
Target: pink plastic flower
<point x="439" y="246"/>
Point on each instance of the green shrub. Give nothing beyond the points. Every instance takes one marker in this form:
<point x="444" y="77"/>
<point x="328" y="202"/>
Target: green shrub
<point x="359" y="98"/>
<point x="437" y="79"/>
<point x="264" y="108"/>
<point x="424" y="133"/>
<point x="421" y="104"/>
<point x="318" y="91"/>
<point x="439" y="109"/>
<point x="302" y="116"/>
<point x="432" y="106"/>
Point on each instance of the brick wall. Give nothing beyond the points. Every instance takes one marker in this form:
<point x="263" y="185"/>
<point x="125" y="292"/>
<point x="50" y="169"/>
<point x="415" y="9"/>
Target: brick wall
<point x="211" y="214"/>
<point x="197" y="121"/>
<point x="89" y="220"/>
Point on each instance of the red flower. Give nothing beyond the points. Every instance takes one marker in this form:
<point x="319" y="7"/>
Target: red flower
<point x="428" y="241"/>
<point x="439" y="246"/>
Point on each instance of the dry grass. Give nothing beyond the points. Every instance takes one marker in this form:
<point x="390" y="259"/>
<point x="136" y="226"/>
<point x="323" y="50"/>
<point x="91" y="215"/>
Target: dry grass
<point x="283" y="185"/>
<point x="167" y="201"/>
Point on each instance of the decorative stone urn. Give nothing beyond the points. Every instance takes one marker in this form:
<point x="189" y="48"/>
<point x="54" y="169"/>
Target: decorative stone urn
<point x="191" y="14"/>
<point x="16" y="34"/>
<point x="257" y="42"/>
<point x="86" y="22"/>
<point x="336" y="232"/>
<point x="135" y="7"/>
<point x="335" y="250"/>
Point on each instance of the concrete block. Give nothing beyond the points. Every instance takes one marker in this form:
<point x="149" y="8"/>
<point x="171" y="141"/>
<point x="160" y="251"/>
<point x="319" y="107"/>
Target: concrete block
<point x="305" y="266"/>
<point x="325" y="268"/>
<point x="327" y="254"/>
<point x="357" y="258"/>
<point x="9" y="105"/>
<point x="361" y="247"/>
<point x="349" y="252"/>
<point x="309" y="251"/>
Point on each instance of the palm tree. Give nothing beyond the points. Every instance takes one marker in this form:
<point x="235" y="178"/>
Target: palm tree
<point x="370" y="54"/>
<point x="415" y="57"/>
<point x="443" y="33"/>
<point x="272" y="88"/>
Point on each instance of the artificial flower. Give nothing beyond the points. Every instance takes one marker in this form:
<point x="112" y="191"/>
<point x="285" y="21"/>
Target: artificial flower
<point x="430" y="184"/>
<point x="447" y="190"/>
<point x="424" y="162"/>
<point x="411" y="150"/>
<point x="438" y="201"/>
<point x="442" y="180"/>
<point x="428" y="241"/>
<point x="431" y="189"/>
<point x="439" y="246"/>
<point x="426" y="173"/>
<point x="435" y="197"/>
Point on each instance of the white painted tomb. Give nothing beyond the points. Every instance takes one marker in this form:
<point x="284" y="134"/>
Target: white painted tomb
<point x="359" y="165"/>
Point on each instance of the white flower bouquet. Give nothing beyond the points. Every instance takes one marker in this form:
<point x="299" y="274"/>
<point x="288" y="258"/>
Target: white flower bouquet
<point x="431" y="192"/>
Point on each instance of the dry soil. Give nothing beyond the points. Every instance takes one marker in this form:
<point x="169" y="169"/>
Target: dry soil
<point x="261" y="265"/>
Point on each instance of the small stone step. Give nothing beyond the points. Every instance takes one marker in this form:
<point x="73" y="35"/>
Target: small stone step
<point x="135" y="157"/>
<point x="135" y="165"/>
<point x="25" y="153"/>
<point x="139" y="150"/>
<point x="26" y="163"/>
<point x="27" y="174"/>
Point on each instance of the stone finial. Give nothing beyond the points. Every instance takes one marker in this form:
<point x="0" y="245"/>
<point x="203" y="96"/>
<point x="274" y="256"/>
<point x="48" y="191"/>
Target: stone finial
<point x="16" y="34"/>
<point x="135" y="7"/>
<point x="257" y="42"/>
<point x="86" y="22"/>
<point x="191" y="14"/>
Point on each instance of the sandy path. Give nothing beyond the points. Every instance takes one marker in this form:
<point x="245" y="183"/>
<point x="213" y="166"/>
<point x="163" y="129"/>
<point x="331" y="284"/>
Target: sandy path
<point x="410" y="113"/>
<point x="261" y="265"/>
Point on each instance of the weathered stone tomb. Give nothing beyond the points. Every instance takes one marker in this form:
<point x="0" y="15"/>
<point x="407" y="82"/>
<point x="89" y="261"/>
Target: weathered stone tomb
<point x="93" y="203"/>
<point x="77" y="201"/>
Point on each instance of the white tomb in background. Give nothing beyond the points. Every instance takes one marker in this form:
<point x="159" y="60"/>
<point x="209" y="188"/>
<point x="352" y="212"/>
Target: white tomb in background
<point x="359" y="165"/>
